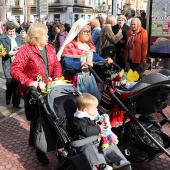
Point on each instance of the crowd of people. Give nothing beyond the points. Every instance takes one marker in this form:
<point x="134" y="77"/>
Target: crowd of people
<point x="56" y="49"/>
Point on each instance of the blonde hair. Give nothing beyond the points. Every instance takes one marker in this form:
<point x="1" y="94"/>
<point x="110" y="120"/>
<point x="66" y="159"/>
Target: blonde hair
<point x="35" y="31"/>
<point x="110" y="19"/>
<point x="121" y="17"/>
<point x="95" y="22"/>
<point x="86" y="100"/>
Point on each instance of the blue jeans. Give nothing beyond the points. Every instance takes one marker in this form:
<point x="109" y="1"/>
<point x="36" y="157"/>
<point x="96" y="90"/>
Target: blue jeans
<point x="89" y="87"/>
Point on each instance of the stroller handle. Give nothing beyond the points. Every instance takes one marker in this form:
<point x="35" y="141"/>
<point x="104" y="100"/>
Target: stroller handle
<point x="104" y="62"/>
<point x="95" y="74"/>
<point x="34" y="92"/>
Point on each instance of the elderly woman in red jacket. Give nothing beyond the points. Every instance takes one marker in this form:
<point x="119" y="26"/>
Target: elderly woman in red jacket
<point x="35" y="59"/>
<point x="137" y="44"/>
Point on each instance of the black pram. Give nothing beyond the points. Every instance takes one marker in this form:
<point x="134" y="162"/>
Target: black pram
<point x="59" y="106"/>
<point x="58" y="109"/>
<point x="141" y="135"/>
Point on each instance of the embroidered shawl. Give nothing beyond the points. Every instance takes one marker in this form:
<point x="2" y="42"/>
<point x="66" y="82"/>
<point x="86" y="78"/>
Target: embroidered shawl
<point x="72" y="50"/>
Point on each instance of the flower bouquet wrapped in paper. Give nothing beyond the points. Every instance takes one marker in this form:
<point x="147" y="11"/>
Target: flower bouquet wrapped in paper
<point x="45" y="86"/>
<point x="123" y="78"/>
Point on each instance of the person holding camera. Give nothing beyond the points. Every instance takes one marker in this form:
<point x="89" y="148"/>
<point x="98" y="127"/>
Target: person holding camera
<point x="11" y="41"/>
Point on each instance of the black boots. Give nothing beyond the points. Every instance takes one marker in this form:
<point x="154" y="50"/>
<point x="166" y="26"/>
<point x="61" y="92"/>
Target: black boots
<point x="41" y="156"/>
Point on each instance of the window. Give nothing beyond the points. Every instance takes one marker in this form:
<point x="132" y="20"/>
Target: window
<point x="53" y="1"/>
<point x="83" y="16"/>
<point x="76" y="17"/>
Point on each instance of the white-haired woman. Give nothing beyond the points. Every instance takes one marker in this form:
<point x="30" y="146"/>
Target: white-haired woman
<point x="137" y="44"/>
<point x="120" y="46"/>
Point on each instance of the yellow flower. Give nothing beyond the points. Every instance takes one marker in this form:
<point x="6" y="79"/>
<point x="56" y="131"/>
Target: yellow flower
<point x="132" y="76"/>
<point x="2" y="51"/>
<point x="47" y="86"/>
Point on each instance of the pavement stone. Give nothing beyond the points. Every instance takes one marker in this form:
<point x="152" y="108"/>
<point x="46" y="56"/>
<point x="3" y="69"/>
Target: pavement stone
<point x="16" y="154"/>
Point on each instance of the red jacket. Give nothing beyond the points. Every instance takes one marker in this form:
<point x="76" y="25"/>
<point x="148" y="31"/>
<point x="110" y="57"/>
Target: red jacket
<point x="140" y="46"/>
<point x="29" y="63"/>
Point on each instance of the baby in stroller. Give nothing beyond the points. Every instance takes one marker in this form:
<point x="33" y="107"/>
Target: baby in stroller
<point x="85" y="125"/>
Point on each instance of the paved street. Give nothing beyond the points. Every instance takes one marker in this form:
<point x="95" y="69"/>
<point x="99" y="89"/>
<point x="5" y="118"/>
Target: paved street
<point x="4" y="110"/>
<point x="15" y="154"/>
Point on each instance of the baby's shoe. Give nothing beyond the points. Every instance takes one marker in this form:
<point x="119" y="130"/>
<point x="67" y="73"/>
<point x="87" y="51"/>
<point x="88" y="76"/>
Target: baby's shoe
<point x="120" y="164"/>
<point x="108" y="168"/>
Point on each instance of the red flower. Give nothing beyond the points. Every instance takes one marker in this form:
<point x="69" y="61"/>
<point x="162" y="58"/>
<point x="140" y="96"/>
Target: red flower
<point x="49" y="79"/>
<point x="117" y="78"/>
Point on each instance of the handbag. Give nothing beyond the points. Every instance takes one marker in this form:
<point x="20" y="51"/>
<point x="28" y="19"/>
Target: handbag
<point x="30" y="105"/>
<point x="40" y="138"/>
<point x="108" y="51"/>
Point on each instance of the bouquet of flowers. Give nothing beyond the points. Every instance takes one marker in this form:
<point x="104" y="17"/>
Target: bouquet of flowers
<point x="122" y="78"/>
<point x="2" y="51"/>
<point x="45" y="86"/>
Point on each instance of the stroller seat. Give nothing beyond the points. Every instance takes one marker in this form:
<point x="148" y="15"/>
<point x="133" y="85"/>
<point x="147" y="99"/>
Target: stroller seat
<point x="149" y="95"/>
<point x="60" y="107"/>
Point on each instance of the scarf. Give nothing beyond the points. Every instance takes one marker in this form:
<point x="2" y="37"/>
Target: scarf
<point x="13" y="44"/>
<point x="80" y="114"/>
<point x="131" y="38"/>
<point x="72" y="50"/>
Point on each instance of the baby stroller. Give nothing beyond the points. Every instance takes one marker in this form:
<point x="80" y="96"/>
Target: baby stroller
<point x="141" y="137"/>
<point x="58" y="109"/>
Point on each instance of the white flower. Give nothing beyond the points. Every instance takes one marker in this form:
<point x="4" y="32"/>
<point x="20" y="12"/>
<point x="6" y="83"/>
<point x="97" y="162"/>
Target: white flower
<point x="113" y="75"/>
<point x="121" y="74"/>
<point x="42" y="85"/>
<point x="123" y="81"/>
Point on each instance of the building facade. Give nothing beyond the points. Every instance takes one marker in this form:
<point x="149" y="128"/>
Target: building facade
<point x="63" y="10"/>
<point x="51" y="10"/>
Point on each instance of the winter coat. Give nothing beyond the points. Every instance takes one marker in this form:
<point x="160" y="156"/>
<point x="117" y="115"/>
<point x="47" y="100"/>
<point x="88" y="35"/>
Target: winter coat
<point x="6" y="60"/>
<point x="96" y="37"/>
<point x="115" y="30"/>
<point x="29" y="63"/>
<point x="84" y="127"/>
<point x="108" y="38"/>
<point x="139" y="48"/>
<point x="60" y="39"/>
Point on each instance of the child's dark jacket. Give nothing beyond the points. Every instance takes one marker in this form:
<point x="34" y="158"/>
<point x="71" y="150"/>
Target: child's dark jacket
<point x="85" y="127"/>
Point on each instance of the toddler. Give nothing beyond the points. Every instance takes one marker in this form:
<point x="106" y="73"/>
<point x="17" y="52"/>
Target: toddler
<point x="85" y="125"/>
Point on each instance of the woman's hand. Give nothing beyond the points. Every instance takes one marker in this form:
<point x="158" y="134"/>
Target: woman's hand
<point x="109" y="60"/>
<point x="86" y="64"/>
<point x="34" y="83"/>
<point x="102" y="128"/>
<point x="61" y="150"/>
<point x="13" y="52"/>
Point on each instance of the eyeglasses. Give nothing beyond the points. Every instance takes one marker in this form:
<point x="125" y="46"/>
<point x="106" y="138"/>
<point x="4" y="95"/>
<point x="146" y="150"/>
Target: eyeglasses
<point x="86" y="32"/>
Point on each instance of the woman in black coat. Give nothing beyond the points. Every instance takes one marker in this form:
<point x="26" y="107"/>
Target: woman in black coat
<point x="11" y="41"/>
<point x="120" y="46"/>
